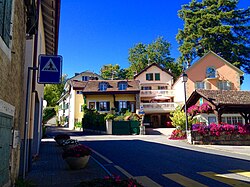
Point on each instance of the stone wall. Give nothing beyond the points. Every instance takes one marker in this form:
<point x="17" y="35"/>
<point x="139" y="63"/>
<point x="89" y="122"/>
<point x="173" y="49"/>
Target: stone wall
<point x="12" y="75"/>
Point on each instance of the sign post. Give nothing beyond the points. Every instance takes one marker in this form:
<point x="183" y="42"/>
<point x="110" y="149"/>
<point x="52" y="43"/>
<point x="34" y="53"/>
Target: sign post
<point x="50" y="69"/>
<point x="142" y="127"/>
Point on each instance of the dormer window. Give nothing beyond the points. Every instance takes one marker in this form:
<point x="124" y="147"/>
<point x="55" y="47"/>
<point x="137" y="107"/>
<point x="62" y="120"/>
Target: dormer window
<point x="210" y="72"/>
<point x="85" y="78"/>
<point x="103" y="86"/>
<point x="122" y="85"/>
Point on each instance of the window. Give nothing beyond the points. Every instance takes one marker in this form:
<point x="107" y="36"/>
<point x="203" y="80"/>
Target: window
<point x="5" y="20"/>
<point x="122" y="85"/>
<point x="85" y="78"/>
<point x="79" y="92"/>
<point x="146" y="88"/>
<point x="104" y="106"/>
<point x="149" y="76"/>
<point x="232" y="120"/>
<point x="224" y="85"/>
<point x="122" y="104"/>
<point x="211" y="120"/>
<point x="157" y="76"/>
<point x="162" y="87"/>
<point x="199" y="85"/>
<point x="91" y="105"/>
<point x="103" y="86"/>
<point x="82" y="108"/>
<point x="210" y="72"/>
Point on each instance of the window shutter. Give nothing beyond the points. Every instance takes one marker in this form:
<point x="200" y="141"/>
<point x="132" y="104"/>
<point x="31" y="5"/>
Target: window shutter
<point x="117" y="105"/>
<point x="7" y="22"/>
<point x="147" y="77"/>
<point x="128" y="106"/>
<point x="1" y="16"/>
<point x="97" y="106"/>
<point x="108" y="106"/>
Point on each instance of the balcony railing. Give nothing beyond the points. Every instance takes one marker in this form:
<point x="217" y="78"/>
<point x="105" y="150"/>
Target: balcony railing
<point x="159" y="107"/>
<point x="154" y="93"/>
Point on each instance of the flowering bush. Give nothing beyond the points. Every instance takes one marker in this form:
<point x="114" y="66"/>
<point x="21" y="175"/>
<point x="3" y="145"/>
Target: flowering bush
<point x="178" y="134"/>
<point x="205" y="107"/>
<point x="193" y="109"/>
<point x="114" y="181"/>
<point x="220" y="129"/>
<point x="77" y="151"/>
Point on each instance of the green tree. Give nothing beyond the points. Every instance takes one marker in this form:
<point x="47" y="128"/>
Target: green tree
<point x="158" y="51"/>
<point x="53" y="92"/>
<point x="215" y="25"/>
<point x="113" y="72"/>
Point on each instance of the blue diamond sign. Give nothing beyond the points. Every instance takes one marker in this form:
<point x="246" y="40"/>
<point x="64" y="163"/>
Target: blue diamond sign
<point x="50" y="69"/>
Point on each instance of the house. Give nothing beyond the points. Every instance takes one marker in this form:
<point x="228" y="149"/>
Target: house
<point x="229" y="106"/>
<point x="69" y="95"/>
<point x="105" y="96"/>
<point x="156" y="95"/>
<point x="210" y="73"/>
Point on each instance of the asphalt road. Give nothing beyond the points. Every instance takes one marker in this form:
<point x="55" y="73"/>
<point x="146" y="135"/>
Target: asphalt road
<point x="157" y="164"/>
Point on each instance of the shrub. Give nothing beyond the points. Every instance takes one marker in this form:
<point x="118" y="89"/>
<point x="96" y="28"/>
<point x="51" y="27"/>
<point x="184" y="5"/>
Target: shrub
<point x="109" y="117"/>
<point x="78" y="125"/>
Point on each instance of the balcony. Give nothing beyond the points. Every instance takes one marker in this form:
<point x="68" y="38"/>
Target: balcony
<point x="158" y="107"/>
<point x="154" y="93"/>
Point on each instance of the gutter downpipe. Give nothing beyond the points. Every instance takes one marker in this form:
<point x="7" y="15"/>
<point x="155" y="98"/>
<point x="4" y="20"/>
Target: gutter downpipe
<point x="26" y="125"/>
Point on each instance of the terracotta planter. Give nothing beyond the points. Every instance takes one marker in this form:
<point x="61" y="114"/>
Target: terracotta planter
<point x="77" y="162"/>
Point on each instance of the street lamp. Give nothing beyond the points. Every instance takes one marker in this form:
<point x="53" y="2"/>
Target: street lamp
<point x="184" y="80"/>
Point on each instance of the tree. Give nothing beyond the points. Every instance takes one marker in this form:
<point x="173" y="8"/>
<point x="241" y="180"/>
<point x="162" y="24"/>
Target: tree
<point x="53" y="92"/>
<point x="158" y="51"/>
<point x="113" y="72"/>
<point x="215" y="25"/>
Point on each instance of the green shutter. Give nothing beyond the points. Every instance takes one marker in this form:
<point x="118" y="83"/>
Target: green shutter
<point x="128" y="106"/>
<point x="157" y="76"/>
<point x="1" y="16"/>
<point x="108" y="106"/>
<point x="7" y="22"/>
<point x="97" y="106"/>
<point x="147" y="77"/>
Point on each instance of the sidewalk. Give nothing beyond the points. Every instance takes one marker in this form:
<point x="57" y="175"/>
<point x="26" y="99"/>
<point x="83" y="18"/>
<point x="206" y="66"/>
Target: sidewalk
<point x="50" y="170"/>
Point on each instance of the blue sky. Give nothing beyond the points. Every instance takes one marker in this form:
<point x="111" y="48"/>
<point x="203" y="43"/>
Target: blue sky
<point x="98" y="32"/>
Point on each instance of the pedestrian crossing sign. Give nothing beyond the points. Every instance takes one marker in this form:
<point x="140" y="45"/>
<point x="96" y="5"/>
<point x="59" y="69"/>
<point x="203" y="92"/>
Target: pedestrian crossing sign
<point x="50" y="69"/>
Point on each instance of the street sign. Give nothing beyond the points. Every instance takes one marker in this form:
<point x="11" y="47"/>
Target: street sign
<point x="50" y="69"/>
<point x="141" y="110"/>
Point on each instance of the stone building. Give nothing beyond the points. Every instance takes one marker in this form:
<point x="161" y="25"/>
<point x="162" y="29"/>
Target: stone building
<point x="23" y="36"/>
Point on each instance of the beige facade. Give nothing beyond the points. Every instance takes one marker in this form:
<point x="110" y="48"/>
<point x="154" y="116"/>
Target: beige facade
<point x="156" y="95"/>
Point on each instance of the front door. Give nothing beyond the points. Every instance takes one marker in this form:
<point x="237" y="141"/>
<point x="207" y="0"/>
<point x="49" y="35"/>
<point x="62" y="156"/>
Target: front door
<point x="155" y="120"/>
<point x="5" y="145"/>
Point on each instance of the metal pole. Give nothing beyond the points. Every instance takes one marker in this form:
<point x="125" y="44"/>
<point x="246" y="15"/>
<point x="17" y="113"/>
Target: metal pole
<point x="185" y="95"/>
<point x="26" y="119"/>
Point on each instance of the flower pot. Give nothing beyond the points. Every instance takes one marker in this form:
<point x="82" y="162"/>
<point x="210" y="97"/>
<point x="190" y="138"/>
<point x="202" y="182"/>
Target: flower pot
<point x="65" y="147"/>
<point x="77" y="162"/>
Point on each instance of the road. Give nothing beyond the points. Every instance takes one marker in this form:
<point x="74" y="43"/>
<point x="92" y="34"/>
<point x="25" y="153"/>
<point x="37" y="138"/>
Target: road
<point x="156" y="161"/>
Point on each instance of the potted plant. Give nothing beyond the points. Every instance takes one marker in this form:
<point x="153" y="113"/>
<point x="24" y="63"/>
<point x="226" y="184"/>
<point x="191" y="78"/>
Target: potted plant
<point x="60" y="138"/>
<point x="77" y="157"/>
